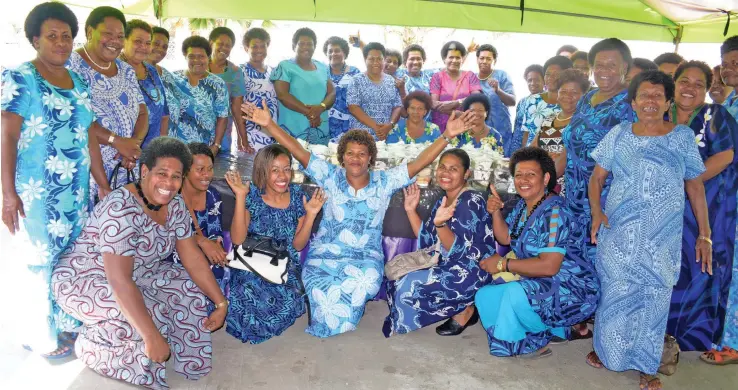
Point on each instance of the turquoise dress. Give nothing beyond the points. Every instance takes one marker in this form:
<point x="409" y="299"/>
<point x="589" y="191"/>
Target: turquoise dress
<point x="345" y="263"/>
<point x="730" y="333"/>
<point x="309" y="87"/>
<point x="233" y="77"/>
<point x="52" y="178"/>
<point x="639" y="254"/>
<point x="200" y="106"/>
<point x="399" y="133"/>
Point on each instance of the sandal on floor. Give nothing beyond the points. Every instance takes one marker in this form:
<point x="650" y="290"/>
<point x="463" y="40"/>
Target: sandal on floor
<point x="594" y="360"/>
<point x="720" y="358"/>
<point x="650" y="382"/>
<point x="539" y="354"/>
<point x="575" y="335"/>
<point x="66" y="347"/>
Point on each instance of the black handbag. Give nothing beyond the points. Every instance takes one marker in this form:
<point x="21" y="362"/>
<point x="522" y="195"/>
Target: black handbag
<point x="264" y="256"/>
<point x="113" y="179"/>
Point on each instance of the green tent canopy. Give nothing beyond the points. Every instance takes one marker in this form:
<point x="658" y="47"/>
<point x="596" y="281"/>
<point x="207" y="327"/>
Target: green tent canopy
<point x="650" y="20"/>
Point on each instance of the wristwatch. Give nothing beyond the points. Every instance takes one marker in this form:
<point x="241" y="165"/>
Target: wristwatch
<point x="500" y="268"/>
<point x="217" y="145"/>
<point x="323" y="105"/>
<point x="111" y="139"/>
<point x="446" y="138"/>
<point x="222" y="304"/>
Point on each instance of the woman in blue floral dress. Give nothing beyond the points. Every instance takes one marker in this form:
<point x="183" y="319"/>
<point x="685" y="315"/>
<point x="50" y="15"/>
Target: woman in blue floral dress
<point x="205" y="105"/>
<point x="46" y="109"/>
<point x="445" y="290"/>
<point x="345" y="263"/>
<point x="538" y="292"/>
<point x="416" y="128"/>
<point x="135" y="51"/>
<point x="273" y="208"/>
<point x="115" y="96"/>
<point x="256" y="75"/>
<point x="337" y="50"/>
<point x="480" y="135"/>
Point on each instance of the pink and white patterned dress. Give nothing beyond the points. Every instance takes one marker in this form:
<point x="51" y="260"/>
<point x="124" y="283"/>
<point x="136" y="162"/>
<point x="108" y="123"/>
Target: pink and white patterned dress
<point x="108" y="343"/>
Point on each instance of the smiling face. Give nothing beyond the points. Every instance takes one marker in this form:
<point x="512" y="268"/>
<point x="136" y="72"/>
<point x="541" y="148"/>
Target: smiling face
<point x="480" y="113"/>
<point x="416" y="110"/>
<point x="551" y="77"/>
<point x="197" y="60"/>
<point x="374" y="62"/>
<point x="257" y="50"/>
<point x="569" y="95"/>
<point x="161" y="183"/>
<point x="356" y="159"/>
<point x="582" y="65"/>
<point x="159" y="47"/>
<point x="486" y="62"/>
<point x="414" y="63"/>
<point x="609" y="70"/>
<point x="718" y="91"/>
<point x="305" y="48"/>
<point x="453" y="60"/>
<point x="201" y="173"/>
<point x="450" y="174"/>
<point x="54" y="43"/>
<point x="530" y="181"/>
<point x="106" y="39"/>
<point x="391" y="63"/>
<point x="221" y="47"/>
<point x="691" y="88"/>
<point x="336" y="55"/>
<point x="534" y="80"/>
<point x="729" y="68"/>
<point x="280" y="174"/>
<point x="137" y="47"/>
<point x="650" y="102"/>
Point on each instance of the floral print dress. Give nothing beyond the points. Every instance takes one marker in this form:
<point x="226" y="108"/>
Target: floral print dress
<point x="259" y="88"/>
<point x="529" y="117"/>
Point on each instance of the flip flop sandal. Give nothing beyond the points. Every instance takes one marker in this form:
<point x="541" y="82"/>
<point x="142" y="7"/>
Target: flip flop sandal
<point x="66" y="347"/>
<point x="720" y="358"/>
<point x="575" y="335"/>
<point x="646" y="381"/>
<point x="593" y="360"/>
<point x="540" y="354"/>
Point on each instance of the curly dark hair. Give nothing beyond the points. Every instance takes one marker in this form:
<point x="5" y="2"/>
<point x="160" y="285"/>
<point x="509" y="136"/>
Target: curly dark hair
<point x="566" y="48"/>
<point x="420" y="96"/>
<point x="544" y="160"/>
<point x="361" y="137"/>
<point x="45" y="11"/>
<point x="373" y="46"/>
<point x="573" y="76"/>
<point x="489" y="48"/>
<point x="698" y="65"/>
<point x="413" y="47"/>
<point x="729" y="45"/>
<point x="338" y="41"/>
<point x="218" y="31"/>
<point x="562" y="61"/>
<point x="200" y="148"/>
<point x="99" y="14"/>
<point x="159" y="30"/>
<point x="394" y="53"/>
<point x="611" y="44"/>
<point x="476" y="98"/>
<point x="256" y="33"/>
<point x="578" y="55"/>
<point x="533" y="68"/>
<point x="197" y="42"/>
<point x="644" y="64"/>
<point x="137" y="23"/>
<point x="656" y="77"/>
<point x="452" y="45"/>
<point x="461" y="155"/>
<point x="668" y="58"/>
<point x="163" y="147"/>
<point x="303" y="32"/>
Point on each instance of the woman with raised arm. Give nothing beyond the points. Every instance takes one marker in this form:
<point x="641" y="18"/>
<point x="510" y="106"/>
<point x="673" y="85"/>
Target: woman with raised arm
<point x="345" y="263"/>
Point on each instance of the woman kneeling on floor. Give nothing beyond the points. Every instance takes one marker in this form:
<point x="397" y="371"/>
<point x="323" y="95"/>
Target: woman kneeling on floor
<point x="538" y="293"/>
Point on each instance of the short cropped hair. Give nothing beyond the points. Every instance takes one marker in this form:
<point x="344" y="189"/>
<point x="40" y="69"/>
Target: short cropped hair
<point x="256" y="33"/>
<point x="566" y="48"/>
<point x="729" y="45"/>
<point x="200" y="148"/>
<point x="338" y="41"/>
<point x="544" y="160"/>
<point x="196" y="41"/>
<point x="476" y="98"/>
<point x="413" y="47"/>
<point x="394" y="53"/>
<point x="137" y="23"/>
<point x="611" y="44"/>
<point x="573" y="76"/>
<point x="656" y="77"/>
<point x="159" y="30"/>
<point x="489" y="48"/>
<point x="459" y="153"/>
<point x="452" y="45"/>
<point x="45" y="11"/>
<point x="533" y="68"/>
<point x="373" y="46"/>
<point x="420" y="96"/>
<point x="697" y="65"/>
<point x="303" y="32"/>
<point x="644" y="64"/>
<point x="562" y="61"/>
<point x="163" y="147"/>
<point x="100" y="13"/>
<point x="218" y="31"/>
<point x="579" y="55"/>
<point x="668" y="58"/>
<point x="361" y="137"/>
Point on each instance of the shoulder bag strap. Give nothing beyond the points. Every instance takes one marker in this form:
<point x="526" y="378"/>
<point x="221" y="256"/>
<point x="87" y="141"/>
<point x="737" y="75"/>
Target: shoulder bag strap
<point x="194" y="217"/>
<point x="458" y="86"/>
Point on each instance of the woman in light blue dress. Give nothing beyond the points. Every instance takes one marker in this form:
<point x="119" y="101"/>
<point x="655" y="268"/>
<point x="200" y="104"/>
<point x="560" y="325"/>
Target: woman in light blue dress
<point x="345" y="262"/>
<point x="205" y="105"/>
<point x="372" y="98"/>
<point x="337" y="50"/>
<point x="653" y="164"/>
<point x="498" y="88"/>
<point x="115" y="96"/>
<point x="305" y="91"/>
<point x="256" y="75"/>
<point x="415" y="129"/>
<point x="46" y="109"/>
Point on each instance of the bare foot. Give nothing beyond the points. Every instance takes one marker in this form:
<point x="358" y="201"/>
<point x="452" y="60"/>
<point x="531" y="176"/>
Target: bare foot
<point x="650" y="382"/>
<point x="594" y="360"/>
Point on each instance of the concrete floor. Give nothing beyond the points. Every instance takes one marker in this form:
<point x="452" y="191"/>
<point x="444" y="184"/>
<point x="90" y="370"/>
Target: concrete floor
<point x="366" y="360"/>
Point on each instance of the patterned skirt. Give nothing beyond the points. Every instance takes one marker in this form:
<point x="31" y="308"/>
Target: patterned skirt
<point x="111" y="346"/>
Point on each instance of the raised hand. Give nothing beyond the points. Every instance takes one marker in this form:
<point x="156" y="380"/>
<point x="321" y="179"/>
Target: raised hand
<point x="239" y="188"/>
<point x="494" y="84"/>
<point x="444" y="212"/>
<point x="260" y="116"/>
<point x="400" y="83"/>
<point x="12" y="212"/>
<point x="598" y="218"/>
<point x="316" y="202"/>
<point x="459" y="123"/>
<point x="494" y="201"/>
<point x="412" y="197"/>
